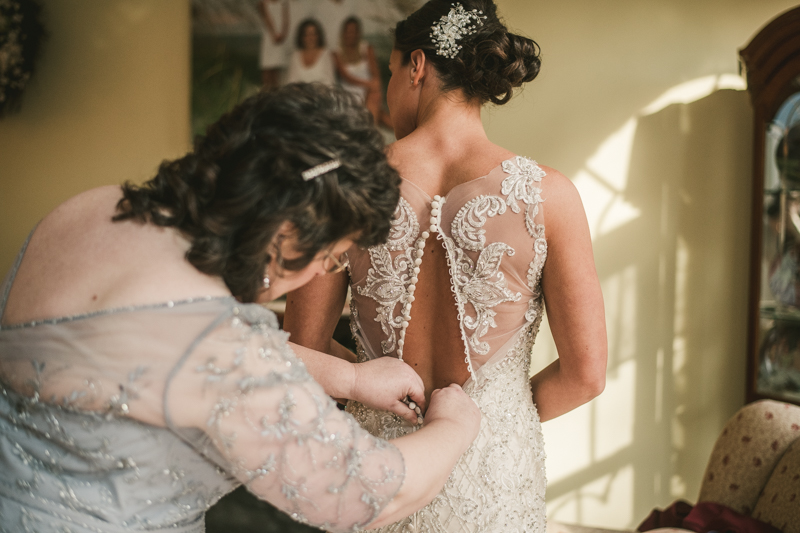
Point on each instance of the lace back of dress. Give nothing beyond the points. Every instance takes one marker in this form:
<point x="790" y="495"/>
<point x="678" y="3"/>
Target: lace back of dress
<point x="492" y="231"/>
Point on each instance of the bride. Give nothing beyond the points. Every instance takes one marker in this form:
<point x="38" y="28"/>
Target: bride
<point x="482" y="241"/>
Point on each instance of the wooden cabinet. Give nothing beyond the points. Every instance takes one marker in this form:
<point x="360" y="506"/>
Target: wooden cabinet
<point x="772" y="63"/>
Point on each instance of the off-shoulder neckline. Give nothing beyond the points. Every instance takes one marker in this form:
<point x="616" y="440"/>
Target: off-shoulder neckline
<point x="115" y="310"/>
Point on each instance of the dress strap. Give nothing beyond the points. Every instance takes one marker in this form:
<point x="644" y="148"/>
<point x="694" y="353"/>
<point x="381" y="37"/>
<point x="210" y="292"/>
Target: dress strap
<point x="9" y="281"/>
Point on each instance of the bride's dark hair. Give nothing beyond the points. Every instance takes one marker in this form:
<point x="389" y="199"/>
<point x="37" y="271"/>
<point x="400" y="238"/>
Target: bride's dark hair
<point x="491" y="62"/>
<point x="243" y="180"/>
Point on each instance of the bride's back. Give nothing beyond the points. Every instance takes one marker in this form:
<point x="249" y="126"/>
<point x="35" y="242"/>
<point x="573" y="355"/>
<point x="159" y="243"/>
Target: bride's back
<point x="434" y="346"/>
<point x="475" y="215"/>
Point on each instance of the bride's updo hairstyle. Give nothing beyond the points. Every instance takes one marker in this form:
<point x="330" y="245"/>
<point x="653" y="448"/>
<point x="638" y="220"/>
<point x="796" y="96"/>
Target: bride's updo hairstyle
<point x="491" y="62"/>
<point x="244" y="178"/>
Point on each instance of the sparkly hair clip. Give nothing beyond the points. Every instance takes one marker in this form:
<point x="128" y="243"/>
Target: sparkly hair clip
<point x="454" y="26"/>
<point x="322" y="168"/>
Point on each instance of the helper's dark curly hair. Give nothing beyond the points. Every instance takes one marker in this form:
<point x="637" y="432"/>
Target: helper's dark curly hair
<point x="491" y="62"/>
<point x="243" y="179"/>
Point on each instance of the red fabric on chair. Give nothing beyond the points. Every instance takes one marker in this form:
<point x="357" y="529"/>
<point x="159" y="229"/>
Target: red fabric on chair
<point x="703" y="518"/>
<point x="672" y="516"/>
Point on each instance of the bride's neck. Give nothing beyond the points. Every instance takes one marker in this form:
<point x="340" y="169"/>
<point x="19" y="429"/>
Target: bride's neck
<point x="449" y="116"/>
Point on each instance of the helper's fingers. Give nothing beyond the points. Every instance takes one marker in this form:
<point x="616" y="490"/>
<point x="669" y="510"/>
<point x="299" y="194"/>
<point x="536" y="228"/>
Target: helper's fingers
<point x="403" y="411"/>
<point x="417" y="394"/>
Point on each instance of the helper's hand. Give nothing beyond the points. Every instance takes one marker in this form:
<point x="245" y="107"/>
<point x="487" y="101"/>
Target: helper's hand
<point x="384" y="383"/>
<point x="452" y="405"/>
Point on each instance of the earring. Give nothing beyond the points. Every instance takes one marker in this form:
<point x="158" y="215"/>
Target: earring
<point x="266" y="282"/>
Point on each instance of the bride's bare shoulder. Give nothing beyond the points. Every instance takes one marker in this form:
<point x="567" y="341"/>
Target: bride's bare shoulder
<point x="555" y="182"/>
<point x="562" y="202"/>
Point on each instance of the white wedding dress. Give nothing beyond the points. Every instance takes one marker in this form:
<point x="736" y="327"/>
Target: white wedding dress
<point x="492" y="229"/>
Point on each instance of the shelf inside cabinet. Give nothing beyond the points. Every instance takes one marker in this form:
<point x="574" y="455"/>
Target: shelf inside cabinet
<point x="770" y="311"/>
<point x="793" y="189"/>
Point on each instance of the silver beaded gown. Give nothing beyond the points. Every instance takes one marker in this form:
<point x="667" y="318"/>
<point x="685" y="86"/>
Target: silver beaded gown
<point x="492" y="231"/>
<point x="94" y="438"/>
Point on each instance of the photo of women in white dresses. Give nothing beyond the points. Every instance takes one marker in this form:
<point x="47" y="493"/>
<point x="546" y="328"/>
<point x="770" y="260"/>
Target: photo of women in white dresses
<point x="242" y="46"/>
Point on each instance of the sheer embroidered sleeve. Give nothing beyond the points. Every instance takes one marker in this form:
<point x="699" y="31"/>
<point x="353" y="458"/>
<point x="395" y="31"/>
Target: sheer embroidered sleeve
<point x="242" y="398"/>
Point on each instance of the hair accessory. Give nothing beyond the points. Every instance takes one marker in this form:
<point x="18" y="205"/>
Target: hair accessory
<point x="322" y="168"/>
<point x="454" y="26"/>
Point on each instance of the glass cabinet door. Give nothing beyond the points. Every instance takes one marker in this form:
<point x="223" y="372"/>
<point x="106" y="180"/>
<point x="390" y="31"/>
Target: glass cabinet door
<point x="772" y="64"/>
<point x="778" y="370"/>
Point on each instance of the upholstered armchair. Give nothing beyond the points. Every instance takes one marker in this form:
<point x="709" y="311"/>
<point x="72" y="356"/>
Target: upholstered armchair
<point x="754" y="469"/>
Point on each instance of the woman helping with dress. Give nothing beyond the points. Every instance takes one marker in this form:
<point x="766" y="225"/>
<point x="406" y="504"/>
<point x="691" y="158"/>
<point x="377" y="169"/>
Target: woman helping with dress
<point x="138" y="384"/>
<point x="481" y="240"/>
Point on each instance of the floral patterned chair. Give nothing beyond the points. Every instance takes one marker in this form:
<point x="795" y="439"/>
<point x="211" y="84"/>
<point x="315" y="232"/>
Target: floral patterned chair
<point x="754" y="469"/>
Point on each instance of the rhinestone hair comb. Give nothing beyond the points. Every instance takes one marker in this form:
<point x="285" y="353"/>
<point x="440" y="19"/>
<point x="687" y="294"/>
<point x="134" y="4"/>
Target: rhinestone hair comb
<point x="319" y="170"/>
<point x="453" y="27"/>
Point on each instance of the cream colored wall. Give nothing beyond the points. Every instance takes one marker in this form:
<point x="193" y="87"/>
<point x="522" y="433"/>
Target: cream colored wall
<point x="639" y="101"/>
<point x="109" y="101"/>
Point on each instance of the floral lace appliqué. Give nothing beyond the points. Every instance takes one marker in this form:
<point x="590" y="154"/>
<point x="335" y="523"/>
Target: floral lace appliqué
<point x="521" y="185"/>
<point x="405" y="227"/>
<point x="478" y="283"/>
<point x="467" y="226"/>
<point x="524" y="175"/>
<point x="388" y="280"/>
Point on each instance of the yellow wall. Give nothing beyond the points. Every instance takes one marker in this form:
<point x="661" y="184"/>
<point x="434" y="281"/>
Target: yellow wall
<point x="109" y="101"/>
<point x="637" y="101"/>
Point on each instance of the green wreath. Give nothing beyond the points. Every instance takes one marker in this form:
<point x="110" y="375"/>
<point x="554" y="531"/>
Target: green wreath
<point x="21" y="36"/>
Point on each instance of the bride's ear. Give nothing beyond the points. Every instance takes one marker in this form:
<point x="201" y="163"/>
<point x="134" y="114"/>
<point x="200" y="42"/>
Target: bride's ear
<point x="418" y="66"/>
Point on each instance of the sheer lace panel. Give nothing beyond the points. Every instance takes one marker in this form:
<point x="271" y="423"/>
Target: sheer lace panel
<point x="492" y="229"/>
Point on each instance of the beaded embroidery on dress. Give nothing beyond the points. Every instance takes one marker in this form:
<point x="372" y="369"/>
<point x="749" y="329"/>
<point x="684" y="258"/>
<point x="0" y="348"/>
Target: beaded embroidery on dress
<point x="493" y="233"/>
<point x="91" y="439"/>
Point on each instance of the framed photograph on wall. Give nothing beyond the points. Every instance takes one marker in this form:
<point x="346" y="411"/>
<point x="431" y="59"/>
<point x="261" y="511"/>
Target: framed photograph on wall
<point x="243" y="46"/>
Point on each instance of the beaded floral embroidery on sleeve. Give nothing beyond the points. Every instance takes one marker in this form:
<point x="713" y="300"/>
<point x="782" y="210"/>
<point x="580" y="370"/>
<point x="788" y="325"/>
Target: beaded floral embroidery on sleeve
<point x="282" y="436"/>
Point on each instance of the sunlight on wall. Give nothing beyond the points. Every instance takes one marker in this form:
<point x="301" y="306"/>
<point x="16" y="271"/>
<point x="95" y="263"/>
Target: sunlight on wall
<point x="603" y="181"/>
<point x="694" y="90"/>
<point x="649" y="377"/>
<point x="614" y="413"/>
<point x="607" y="500"/>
